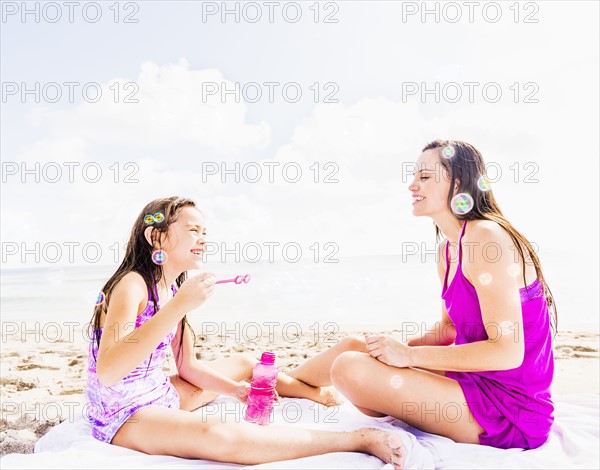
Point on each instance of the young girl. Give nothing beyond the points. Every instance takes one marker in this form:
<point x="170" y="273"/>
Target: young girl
<point x="483" y="375"/>
<point x="142" y="310"/>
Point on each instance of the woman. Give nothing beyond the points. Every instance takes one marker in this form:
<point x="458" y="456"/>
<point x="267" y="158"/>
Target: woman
<point x="483" y="375"/>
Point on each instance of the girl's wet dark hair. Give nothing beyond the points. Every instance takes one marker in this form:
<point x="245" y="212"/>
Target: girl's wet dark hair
<point x="467" y="166"/>
<point x="138" y="258"/>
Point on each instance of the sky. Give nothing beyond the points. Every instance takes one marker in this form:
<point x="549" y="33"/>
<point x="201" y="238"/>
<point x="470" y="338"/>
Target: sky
<point x="333" y="102"/>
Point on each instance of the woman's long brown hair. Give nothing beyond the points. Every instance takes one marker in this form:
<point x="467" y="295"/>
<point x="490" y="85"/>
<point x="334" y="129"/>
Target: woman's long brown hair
<point x="138" y="258"/>
<point x="467" y="166"/>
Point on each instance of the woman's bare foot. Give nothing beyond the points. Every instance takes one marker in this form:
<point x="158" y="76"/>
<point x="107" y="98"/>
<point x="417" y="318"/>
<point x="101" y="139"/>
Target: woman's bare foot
<point x="384" y="445"/>
<point x="288" y="386"/>
<point x="329" y="396"/>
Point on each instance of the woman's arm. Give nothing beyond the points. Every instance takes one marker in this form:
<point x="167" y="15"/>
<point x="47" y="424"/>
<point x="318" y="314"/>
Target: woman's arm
<point x="199" y="374"/>
<point x="443" y="333"/>
<point x="500" y="304"/>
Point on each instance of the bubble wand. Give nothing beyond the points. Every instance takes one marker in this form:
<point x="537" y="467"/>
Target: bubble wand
<point x="237" y="279"/>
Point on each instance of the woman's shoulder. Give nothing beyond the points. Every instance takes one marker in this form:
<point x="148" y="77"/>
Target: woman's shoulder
<point x="487" y="240"/>
<point x="486" y="231"/>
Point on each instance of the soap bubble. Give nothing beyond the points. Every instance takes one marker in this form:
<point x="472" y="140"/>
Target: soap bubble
<point x="483" y="183"/>
<point x="159" y="257"/>
<point x="100" y="298"/>
<point x="485" y="278"/>
<point x="396" y="381"/>
<point x="448" y="152"/>
<point x="461" y="203"/>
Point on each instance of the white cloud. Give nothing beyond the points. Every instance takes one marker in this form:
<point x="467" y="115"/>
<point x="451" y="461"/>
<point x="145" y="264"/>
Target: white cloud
<point x="171" y="107"/>
<point x="367" y="141"/>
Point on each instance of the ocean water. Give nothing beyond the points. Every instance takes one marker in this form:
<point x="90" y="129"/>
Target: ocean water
<point x="367" y="290"/>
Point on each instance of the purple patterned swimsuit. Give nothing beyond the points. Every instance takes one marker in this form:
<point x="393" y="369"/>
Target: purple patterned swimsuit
<point x="109" y="407"/>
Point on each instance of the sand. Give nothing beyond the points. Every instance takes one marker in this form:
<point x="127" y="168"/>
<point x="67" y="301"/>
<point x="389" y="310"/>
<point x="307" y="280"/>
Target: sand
<point x="42" y="376"/>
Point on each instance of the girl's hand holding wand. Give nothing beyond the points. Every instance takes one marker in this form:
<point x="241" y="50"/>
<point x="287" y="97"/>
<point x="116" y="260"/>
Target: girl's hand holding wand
<point x="195" y="291"/>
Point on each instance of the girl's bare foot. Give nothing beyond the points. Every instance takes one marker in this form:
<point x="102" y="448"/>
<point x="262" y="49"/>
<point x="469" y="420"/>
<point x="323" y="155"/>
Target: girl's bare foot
<point x="384" y="445"/>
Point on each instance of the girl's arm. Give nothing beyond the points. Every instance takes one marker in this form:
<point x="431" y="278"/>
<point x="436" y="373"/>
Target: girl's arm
<point x="444" y="332"/>
<point x="123" y="348"/>
<point x="197" y="373"/>
<point x="500" y="303"/>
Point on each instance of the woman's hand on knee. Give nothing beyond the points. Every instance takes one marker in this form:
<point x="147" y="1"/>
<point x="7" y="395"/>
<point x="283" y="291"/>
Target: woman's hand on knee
<point x="388" y="350"/>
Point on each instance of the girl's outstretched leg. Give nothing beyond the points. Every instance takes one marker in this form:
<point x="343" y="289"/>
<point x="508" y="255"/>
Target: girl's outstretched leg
<point x="163" y="431"/>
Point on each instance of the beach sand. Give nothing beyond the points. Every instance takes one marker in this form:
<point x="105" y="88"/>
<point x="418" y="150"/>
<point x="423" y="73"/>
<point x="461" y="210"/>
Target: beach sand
<point x="42" y="378"/>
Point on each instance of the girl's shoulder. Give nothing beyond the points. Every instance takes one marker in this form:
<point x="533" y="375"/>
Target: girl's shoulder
<point x="132" y="286"/>
<point x="133" y="280"/>
<point x="129" y="297"/>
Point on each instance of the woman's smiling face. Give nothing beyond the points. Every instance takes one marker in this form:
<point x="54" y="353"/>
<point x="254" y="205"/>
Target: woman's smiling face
<point x="430" y="185"/>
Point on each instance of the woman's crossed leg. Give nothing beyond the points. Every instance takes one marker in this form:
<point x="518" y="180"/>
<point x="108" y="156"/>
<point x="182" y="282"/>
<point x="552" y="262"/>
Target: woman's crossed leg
<point x="425" y="400"/>
<point x="239" y="367"/>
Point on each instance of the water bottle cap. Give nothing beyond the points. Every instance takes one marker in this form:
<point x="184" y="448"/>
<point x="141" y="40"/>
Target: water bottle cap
<point x="268" y="358"/>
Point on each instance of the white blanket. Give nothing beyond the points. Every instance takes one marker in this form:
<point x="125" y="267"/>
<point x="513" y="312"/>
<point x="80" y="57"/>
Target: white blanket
<point x="574" y="443"/>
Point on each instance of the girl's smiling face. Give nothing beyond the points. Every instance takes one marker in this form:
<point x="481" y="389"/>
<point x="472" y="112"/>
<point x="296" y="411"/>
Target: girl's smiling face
<point x="430" y="185"/>
<point x="185" y="241"/>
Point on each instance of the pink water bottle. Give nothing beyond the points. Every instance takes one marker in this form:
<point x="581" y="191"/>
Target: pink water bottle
<point x="262" y="390"/>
